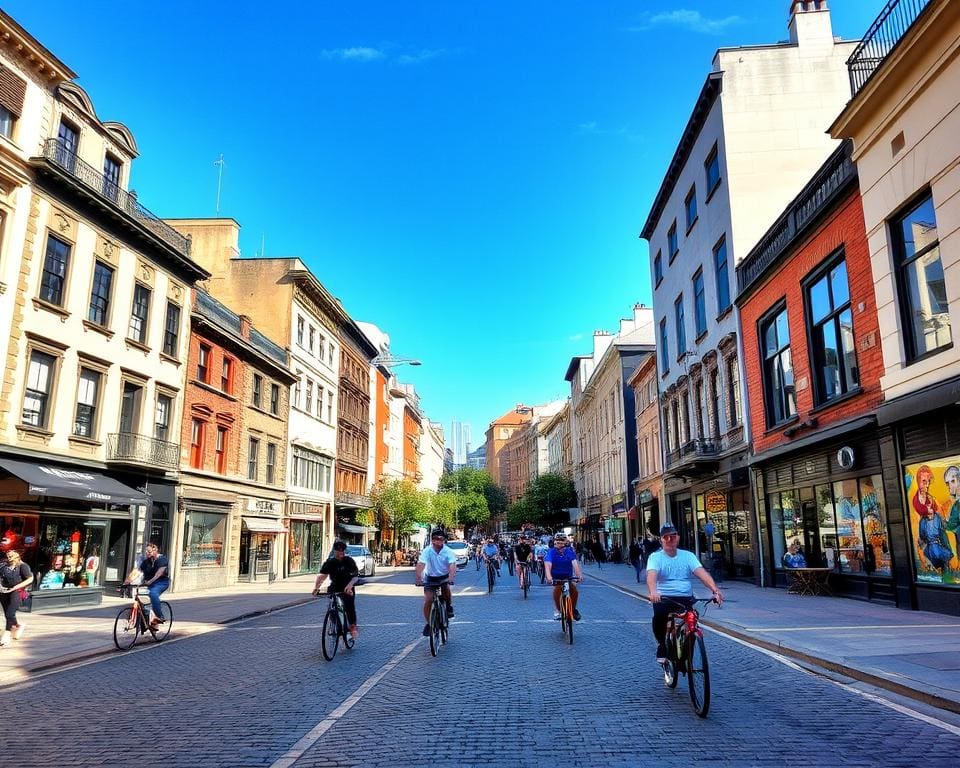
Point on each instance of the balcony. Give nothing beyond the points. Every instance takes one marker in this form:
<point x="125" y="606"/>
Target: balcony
<point x="883" y="36"/>
<point x="131" y="448"/>
<point x="116" y="199"/>
<point x="695" y="455"/>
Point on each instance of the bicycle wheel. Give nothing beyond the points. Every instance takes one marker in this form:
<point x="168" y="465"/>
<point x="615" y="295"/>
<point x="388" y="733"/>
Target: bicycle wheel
<point x="698" y="675"/>
<point x="348" y="639"/>
<point x="162" y="630"/>
<point x="671" y="671"/>
<point x="491" y="577"/>
<point x="435" y="624"/>
<point x="444" y="625"/>
<point x="126" y="629"/>
<point x="330" y="637"/>
<point x="525" y="581"/>
<point x="566" y="618"/>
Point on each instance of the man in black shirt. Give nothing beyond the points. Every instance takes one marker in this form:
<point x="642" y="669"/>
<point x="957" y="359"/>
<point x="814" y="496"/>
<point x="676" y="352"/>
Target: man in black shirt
<point x="156" y="575"/>
<point x="522" y="552"/>
<point x="343" y="573"/>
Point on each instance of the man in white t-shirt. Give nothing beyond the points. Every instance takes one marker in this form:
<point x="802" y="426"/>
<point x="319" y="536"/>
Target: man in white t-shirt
<point x="436" y="569"/>
<point x="668" y="576"/>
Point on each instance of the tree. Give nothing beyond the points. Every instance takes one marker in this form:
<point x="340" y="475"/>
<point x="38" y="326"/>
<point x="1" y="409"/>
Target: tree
<point x="520" y="512"/>
<point x="547" y="496"/>
<point x="398" y="504"/>
<point x="472" y="490"/>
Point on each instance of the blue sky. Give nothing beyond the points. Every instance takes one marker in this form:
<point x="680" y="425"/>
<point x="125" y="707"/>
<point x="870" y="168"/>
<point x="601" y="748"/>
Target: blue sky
<point x="472" y="177"/>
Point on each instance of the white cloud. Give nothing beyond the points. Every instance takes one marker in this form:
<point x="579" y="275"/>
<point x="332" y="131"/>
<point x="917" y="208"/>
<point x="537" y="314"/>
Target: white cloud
<point x="357" y="53"/>
<point x="418" y="57"/>
<point x="387" y="52"/>
<point x="591" y="128"/>
<point x="576" y="337"/>
<point x="684" y="18"/>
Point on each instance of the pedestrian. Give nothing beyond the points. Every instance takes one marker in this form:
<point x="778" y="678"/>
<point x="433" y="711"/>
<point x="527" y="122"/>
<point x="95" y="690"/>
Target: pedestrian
<point x="636" y="557"/>
<point x="15" y="577"/>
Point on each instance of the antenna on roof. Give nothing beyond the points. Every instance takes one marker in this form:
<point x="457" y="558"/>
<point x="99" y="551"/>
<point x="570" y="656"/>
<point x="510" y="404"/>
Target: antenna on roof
<point x="219" y="162"/>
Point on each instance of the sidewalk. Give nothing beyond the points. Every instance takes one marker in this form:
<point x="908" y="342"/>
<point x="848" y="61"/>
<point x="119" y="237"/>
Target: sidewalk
<point x="913" y="653"/>
<point x="69" y="635"/>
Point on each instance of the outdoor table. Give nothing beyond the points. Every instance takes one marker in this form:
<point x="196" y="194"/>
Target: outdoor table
<point x="809" y="581"/>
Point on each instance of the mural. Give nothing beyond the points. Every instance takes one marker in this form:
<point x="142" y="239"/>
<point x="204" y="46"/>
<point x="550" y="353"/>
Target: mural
<point x="933" y="500"/>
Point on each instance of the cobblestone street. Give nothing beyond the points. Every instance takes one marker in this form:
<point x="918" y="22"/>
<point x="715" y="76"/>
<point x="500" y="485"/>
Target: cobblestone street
<point x="506" y="689"/>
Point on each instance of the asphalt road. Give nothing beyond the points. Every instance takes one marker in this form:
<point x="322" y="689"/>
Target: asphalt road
<point x="507" y="690"/>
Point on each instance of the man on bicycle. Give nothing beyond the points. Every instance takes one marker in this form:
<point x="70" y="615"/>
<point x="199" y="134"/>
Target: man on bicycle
<point x="522" y="553"/>
<point x="561" y="563"/>
<point x="344" y="574"/>
<point x="437" y="566"/>
<point x="491" y="552"/>
<point x="156" y="576"/>
<point x="668" y="576"/>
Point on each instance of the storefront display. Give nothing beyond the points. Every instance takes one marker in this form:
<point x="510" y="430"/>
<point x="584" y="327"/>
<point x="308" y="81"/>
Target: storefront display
<point x="933" y="500"/>
<point x="204" y="535"/>
<point x="305" y="546"/>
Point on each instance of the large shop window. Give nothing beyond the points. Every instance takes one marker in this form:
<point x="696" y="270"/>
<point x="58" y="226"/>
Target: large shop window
<point x="933" y="503"/>
<point x="841" y="525"/>
<point x="62" y="552"/>
<point x="204" y="534"/>
<point x="305" y="546"/>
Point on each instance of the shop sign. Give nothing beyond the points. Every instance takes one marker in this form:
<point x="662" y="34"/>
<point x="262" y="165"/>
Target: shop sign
<point x="933" y="509"/>
<point x="619" y="505"/>
<point x="264" y="507"/>
<point x="716" y="501"/>
<point x="646" y="496"/>
<point x="613" y="525"/>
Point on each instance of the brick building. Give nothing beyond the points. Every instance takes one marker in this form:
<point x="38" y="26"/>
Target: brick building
<point x="812" y="355"/>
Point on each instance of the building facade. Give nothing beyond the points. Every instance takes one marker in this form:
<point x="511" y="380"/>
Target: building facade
<point x="644" y="516"/>
<point x="559" y="449"/>
<point x="498" y="434"/>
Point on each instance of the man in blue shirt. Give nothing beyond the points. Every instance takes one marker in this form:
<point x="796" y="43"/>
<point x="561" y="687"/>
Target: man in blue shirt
<point x="156" y="575"/>
<point x="490" y="552"/>
<point x="561" y="563"/>
<point x="668" y="576"/>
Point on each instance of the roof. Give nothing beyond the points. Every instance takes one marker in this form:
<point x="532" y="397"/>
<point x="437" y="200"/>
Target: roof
<point x="574" y="364"/>
<point x="511" y="417"/>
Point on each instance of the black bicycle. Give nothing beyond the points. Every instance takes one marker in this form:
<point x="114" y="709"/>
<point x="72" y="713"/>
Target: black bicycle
<point x="438" y="622"/>
<point x="566" y="609"/>
<point x="687" y="654"/>
<point x="491" y="574"/>
<point x="335" y="627"/>
<point x="132" y="620"/>
<point x="523" y="574"/>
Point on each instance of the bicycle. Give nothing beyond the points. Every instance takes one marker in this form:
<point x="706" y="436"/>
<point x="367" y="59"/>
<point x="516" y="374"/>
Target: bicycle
<point x="687" y="654"/>
<point x="540" y="569"/>
<point x="438" y="622"/>
<point x="335" y="627"/>
<point x="132" y="620"/>
<point x="509" y="564"/>
<point x="491" y="574"/>
<point x="523" y="574"/>
<point x="566" y="610"/>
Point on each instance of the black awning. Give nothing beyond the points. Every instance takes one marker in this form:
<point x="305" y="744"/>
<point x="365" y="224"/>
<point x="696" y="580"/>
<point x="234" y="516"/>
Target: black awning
<point x="72" y="483"/>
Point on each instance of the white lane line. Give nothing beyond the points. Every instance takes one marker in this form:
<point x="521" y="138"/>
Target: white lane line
<point x="316" y="733"/>
<point x="903" y="710"/>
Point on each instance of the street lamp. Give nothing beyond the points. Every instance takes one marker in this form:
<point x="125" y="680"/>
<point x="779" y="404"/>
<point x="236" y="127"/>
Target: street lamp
<point x="387" y="360"/>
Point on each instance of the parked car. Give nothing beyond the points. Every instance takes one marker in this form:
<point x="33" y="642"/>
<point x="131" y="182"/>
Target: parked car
<point x="363" y="559"/>
<point x="462" y="550"/>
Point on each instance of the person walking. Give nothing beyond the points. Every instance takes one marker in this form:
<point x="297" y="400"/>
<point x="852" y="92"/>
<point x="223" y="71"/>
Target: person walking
<point x="15" y="577"/>
<point x="636" y="557"/>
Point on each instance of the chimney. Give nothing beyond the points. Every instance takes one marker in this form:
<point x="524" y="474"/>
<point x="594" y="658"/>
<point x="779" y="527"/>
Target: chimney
<point x="809" y="23"/>
<point x="245" y="326"/>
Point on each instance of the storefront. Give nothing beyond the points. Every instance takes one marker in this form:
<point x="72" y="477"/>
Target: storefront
<point x="73" y="526"/>
<point x="306" y="536"/>
<point x="825" y="499"/>
<point x="206" y="532"/>
<point x="262" y="538"/>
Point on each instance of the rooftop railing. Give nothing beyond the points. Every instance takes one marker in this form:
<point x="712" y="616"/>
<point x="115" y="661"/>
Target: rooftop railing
<point x="882" y="37"/>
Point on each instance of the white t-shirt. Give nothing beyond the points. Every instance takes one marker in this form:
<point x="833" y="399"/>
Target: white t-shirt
<point x="673" y="573"/>
<point x="438" y="563"/>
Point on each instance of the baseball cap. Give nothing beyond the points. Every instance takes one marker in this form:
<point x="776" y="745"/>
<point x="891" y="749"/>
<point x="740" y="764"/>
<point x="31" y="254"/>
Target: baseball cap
<point x="438" y="534"/>
<point x="667" y="529"/>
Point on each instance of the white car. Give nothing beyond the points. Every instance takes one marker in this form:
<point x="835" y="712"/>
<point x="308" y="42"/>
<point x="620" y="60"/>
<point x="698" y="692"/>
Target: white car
<point x="462" y="550"/>
<point x="363" y="559"/>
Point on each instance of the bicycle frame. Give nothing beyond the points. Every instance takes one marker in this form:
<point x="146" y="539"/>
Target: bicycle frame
<point x="686" y="654"/>
<point x="439" y="624"/>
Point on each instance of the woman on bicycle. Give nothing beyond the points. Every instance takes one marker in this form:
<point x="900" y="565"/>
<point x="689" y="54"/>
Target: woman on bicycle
<point x="344" y="574"/>
<point x="668" y="576"/>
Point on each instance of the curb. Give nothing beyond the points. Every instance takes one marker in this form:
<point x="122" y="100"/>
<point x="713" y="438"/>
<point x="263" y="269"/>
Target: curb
<point x="878" y="681"/>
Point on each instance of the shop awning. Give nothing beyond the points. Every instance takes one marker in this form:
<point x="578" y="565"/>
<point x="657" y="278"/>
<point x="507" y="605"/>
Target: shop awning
<point x="349" y="528"/>
<point x="263" y="525"/>
<point x="67" y="483"/>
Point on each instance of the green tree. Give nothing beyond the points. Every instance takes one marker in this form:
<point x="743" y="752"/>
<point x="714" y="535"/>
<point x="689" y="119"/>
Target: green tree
<point x="520" y="512"/>
<point x="398" y="504"/>
<point x="547" y="497"/>
<point x="472" y="490"/>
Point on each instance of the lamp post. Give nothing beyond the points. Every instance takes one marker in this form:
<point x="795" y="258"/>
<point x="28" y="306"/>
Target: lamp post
<point x="388" y="361"/>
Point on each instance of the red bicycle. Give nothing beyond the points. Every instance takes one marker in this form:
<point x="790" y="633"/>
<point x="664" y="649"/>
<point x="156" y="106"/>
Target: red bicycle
<point x="687" y="654"/>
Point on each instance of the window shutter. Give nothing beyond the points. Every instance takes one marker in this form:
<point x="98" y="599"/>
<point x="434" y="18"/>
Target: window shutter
<point x="13" y="90"/>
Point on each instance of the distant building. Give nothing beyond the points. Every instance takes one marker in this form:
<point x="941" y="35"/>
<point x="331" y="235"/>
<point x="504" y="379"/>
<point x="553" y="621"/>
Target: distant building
<point x="477" y="459"/>
<point x="460" y="442"/>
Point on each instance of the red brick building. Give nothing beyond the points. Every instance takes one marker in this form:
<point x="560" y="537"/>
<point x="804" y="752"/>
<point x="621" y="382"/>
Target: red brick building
<point x="813" y="363"/>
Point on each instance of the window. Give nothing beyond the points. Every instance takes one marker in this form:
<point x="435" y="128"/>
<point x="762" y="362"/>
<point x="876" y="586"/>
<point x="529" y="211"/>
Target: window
<point x="296" y="391"/>
<point x="203" y="364"/>
<point x="733" y="391"/>
<point x="715" y="403"/>
<point x="310" y="470"/>
<point x="161" y="418"/>
<point x="226" y="376"/>
<point x="681" y="326"/>
<point x="320" y="391"/>
<point x="171" y="330"/>
<point x="664" y="347"/>
<point x="699" y="304"/>
<point x="271" y="463"/>
<point x="36" y="399"/>
<point x="308" y="407"/>
<point x="54" y="271"/>
<point x="204" y="535"/>
<point x="139" y="314"/>
<point x="330" y="404"/>
<point x="196" y="443"/>
<point x="275" y="399"/>
<point x="922" y="292"/>
<point x="777" y="368"/>
<point x="657" y="269"/>
<point x="673" y="245"/>
<point x="685" y="415"/>
<point x="253" y="459"/>
<point x="833" y="351"/>
<point x="300" y="330"/>
<point x="690" y="206"/>
<point x="130" y="407"/>
<point x="221" y="455"/>
<point x="312" y="337"/>
<point x="111" y="177"/>
<point x="330" y="352"/>
<point x="698" y="407"/>
<point x="68" y="136"/>
<point x="88" y="398"/>
<point x="712" y="169"/>
<point x="257" y="389"/>
<point x="723" y="279"/>
<point x="6" y="122"/>
<point x="99" y="312"/>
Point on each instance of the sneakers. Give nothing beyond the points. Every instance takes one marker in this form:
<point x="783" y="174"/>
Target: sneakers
<point x="661" y="653"/>
<point x="556" y="615"/>
<point x="18" y="632"/>
<point x="449" y="611"/>
<point x="426" y="630"/>
<point x="576" y="615"/>
<point x="5" y="638"/>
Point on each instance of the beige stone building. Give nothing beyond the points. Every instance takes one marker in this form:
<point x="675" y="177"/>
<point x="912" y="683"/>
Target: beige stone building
<point x="498" y="434"/>
<point x="644" y="517"/>
<point x="94" y="297"/>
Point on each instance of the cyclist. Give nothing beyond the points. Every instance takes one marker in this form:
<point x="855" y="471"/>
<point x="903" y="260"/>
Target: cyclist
<point x="668" y="576"/>
<point x="561" y="563"/>
<point x="156" y="575"/>
<point x="539" y="552"/>
<point x="522" y="554"/>
<point x="344" y="574"/>
<point x="490" y="552"/>
<point x="437" y="566"/>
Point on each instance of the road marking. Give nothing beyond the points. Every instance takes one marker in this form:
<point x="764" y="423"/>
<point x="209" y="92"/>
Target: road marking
<point x="316" y="733"/>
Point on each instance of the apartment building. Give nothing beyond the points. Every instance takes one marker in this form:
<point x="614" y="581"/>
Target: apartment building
<point x="643" y="519"/>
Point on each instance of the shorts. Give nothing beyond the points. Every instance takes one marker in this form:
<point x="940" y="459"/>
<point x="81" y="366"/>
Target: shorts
<point x="432" y="582"/>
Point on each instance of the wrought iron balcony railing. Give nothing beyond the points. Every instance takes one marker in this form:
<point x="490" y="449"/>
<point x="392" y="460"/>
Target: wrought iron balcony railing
<point x="132" y="448"/>
<point x="886" y="31"/>
<point x="57" y="154"/>
<point x="692" y="451"/>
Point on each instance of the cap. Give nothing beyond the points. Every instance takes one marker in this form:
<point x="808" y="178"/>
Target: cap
<point x="438" y="534"/>
<point x="668" y="528"/>
<point x="559" y="535"/>
<point x="340" y="544"/>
